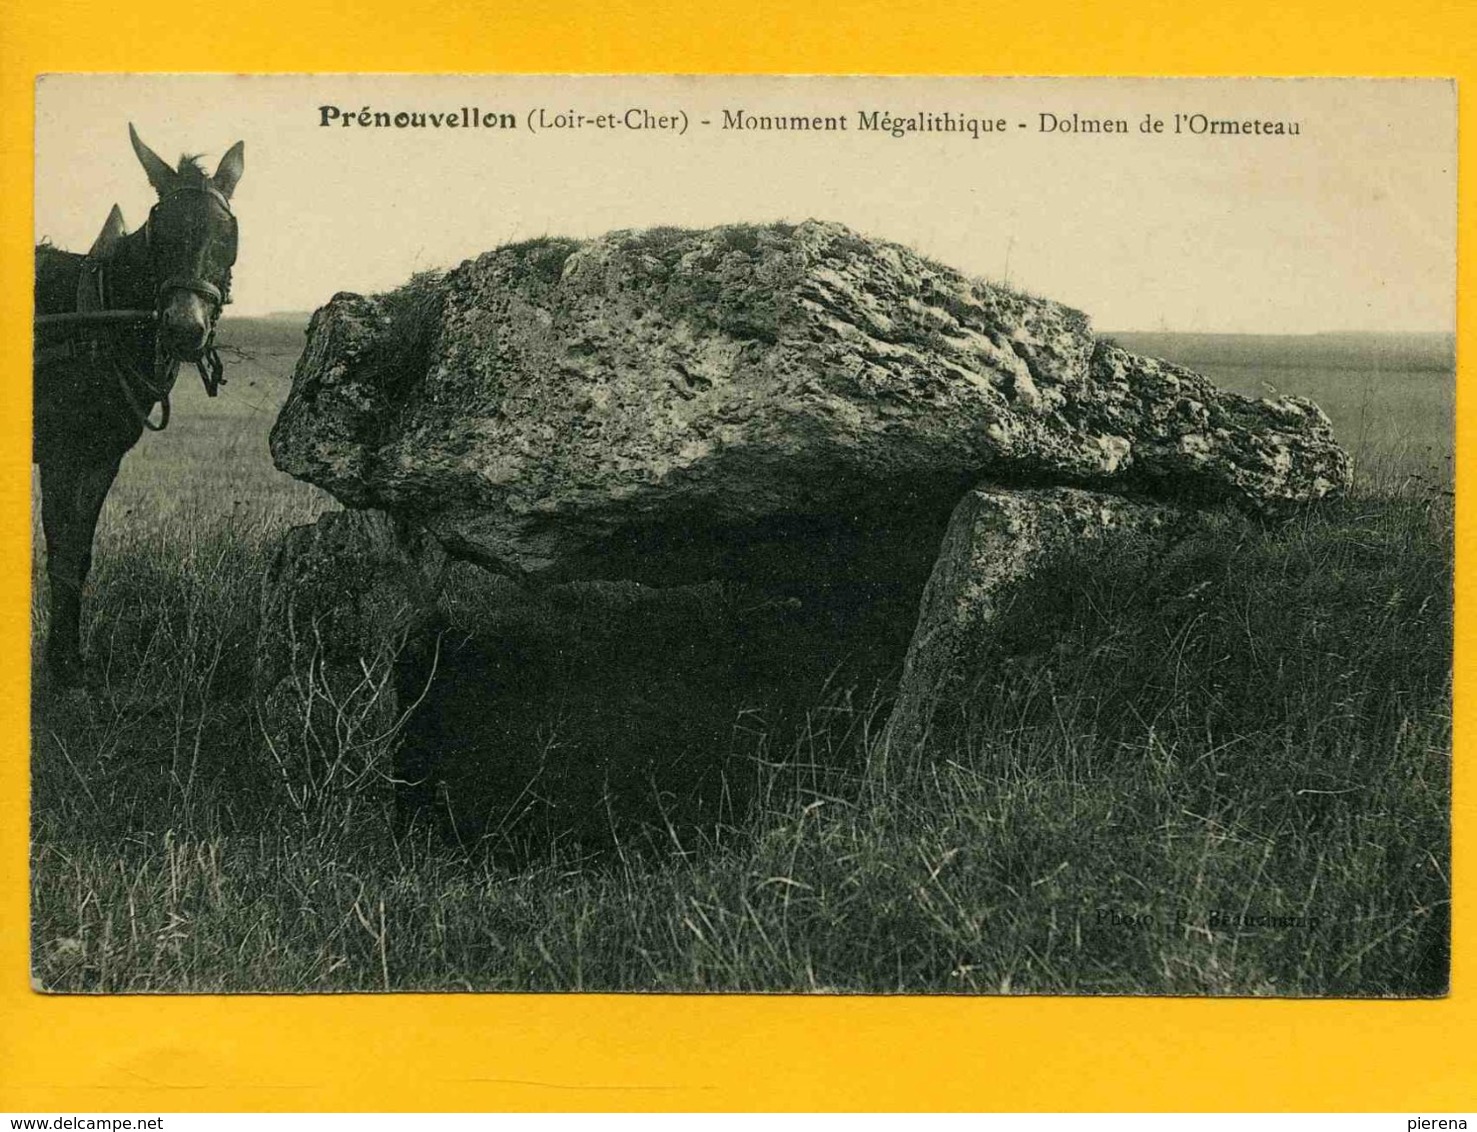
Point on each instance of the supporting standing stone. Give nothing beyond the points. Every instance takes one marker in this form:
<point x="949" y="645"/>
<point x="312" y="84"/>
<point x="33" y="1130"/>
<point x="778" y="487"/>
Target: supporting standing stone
<point x="995" y="539"/>
<point x="346" y="602"/>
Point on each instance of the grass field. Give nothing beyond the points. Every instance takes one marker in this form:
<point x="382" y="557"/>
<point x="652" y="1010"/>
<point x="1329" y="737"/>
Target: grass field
<point x="1228" y="775"/>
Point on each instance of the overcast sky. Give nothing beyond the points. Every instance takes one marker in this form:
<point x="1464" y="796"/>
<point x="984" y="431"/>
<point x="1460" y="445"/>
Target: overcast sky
<point x="1350" y="225"/>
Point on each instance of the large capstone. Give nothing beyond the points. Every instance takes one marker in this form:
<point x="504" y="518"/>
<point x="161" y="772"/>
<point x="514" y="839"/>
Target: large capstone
<point x="787" y="402"/>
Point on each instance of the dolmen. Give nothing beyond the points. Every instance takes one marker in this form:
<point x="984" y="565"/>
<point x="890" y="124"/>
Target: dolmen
<point x="720" y="437"/>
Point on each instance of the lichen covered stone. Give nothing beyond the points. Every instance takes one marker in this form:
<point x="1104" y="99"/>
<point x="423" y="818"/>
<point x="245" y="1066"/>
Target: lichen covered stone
<point x="669" y="406"/>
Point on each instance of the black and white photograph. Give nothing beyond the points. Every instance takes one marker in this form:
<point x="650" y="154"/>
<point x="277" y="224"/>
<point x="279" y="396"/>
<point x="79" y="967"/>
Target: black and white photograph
<point x="742" y="535"/>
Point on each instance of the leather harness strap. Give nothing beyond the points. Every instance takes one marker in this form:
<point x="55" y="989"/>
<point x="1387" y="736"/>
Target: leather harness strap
<point x="201" y="287"/>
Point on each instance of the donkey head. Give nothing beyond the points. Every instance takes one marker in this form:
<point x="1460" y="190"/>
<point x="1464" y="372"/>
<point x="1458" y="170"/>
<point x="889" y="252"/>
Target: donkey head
<point x="192" y="245"/>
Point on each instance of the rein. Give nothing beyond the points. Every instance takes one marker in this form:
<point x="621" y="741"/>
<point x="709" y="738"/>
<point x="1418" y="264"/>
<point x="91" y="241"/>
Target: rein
<point x="212" y="376"/>
<point x="166" y="372"/>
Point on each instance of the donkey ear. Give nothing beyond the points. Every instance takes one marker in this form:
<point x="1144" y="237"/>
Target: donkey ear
<point x="113" y="231"/>
<point x="161" y="176"/>
<point x="229" y="171"/>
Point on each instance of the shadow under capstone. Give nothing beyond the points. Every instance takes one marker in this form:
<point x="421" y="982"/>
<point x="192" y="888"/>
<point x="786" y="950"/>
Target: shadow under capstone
<point x="598" y="714"/>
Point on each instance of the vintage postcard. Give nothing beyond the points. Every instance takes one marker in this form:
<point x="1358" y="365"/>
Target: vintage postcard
<point x="737" y="534"/>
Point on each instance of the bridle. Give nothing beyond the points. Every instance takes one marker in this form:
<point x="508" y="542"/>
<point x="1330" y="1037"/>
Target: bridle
<point x="209" y="364"/>
<point x="216" y="296"/>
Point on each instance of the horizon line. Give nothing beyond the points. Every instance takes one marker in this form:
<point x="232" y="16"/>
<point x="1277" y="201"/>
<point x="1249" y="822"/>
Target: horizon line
<point x="307" y="312"/>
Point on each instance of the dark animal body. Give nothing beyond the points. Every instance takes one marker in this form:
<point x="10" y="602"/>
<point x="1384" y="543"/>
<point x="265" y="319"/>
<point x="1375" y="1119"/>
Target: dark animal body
<point x="99" y="382"/>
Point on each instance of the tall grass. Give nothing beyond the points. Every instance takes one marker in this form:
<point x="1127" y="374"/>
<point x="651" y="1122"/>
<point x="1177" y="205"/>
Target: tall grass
<point x="1221" y="769"/>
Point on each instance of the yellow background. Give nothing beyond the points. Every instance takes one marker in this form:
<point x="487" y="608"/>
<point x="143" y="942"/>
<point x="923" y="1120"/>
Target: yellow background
<point x="515" y="1052"/>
